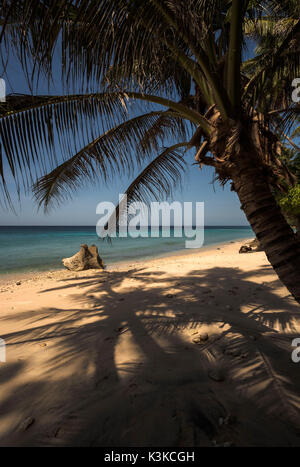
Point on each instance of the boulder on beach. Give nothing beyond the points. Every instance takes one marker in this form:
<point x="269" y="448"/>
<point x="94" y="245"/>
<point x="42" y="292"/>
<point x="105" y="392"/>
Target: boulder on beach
<point x="85" y="258"/>
<point x="252" y="246"/>
<point x="255" y="245"/>
<point x="245" y="249"/>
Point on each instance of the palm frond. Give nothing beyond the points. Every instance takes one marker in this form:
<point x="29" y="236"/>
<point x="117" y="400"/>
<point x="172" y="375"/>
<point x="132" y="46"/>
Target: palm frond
<point x="154" y="50"/>
<point x="168" y="166"/>
<point x="31" y="127"/>
<point x="118" y="150"/>
<point x="277" y="63"/>
<point x="134" y="35"/>
<point x="235" y="55"/>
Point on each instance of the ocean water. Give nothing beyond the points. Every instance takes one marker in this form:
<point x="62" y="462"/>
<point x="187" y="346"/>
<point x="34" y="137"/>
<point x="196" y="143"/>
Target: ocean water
<point x="24" y="249"/>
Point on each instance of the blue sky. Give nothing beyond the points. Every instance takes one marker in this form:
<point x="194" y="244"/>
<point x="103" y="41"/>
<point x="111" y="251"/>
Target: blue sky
<point x="222" y="206"/>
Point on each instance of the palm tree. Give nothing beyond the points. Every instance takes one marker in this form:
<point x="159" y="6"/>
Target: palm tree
<point x="182" y="56"/>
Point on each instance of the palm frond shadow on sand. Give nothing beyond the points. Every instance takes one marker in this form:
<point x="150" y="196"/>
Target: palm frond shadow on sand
<point x="126" y="371"/>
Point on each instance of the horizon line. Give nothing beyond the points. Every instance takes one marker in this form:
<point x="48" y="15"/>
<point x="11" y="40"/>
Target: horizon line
<point x="88" y="225"/>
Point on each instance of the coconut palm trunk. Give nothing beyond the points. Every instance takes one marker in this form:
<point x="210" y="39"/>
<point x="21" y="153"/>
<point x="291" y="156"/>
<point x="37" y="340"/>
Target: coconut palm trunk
<point x="269" y="225"/>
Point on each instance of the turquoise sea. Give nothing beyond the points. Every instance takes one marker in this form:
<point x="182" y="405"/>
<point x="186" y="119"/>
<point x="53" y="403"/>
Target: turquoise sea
<point x="24" y="249"/>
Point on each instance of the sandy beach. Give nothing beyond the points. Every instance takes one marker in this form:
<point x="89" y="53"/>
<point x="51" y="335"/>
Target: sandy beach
<point x="186" y="350"/>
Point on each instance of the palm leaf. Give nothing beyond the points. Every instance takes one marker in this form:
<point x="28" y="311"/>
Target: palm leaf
<point x="278" y="60"/>
<point x="168" y="167"/>
<point x="118" y="150"/>
<point x="31" y="126"/>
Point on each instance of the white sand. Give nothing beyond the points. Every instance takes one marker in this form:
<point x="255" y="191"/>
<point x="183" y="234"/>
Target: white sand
<point x="108" y="358"/>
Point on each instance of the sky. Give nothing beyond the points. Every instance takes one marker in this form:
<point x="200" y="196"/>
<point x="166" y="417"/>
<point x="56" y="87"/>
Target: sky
<point x="221" y="206"/>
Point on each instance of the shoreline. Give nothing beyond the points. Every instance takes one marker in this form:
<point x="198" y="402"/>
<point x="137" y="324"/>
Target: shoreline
<point x="8" y="278"/>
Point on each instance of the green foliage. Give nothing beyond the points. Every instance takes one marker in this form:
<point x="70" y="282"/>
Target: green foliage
<point x="290" y="203"/>
<point x="292" y="160"/>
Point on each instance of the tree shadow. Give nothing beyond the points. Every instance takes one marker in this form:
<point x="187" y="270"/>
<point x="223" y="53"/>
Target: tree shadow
<point x="123" y="369"/>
